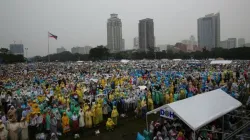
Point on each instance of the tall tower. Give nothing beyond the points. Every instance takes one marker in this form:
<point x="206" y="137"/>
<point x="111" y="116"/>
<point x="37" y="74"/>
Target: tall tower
<point x="209" y="31"/>
<point x="114" y="33"/>
<point x="146" y="34"/>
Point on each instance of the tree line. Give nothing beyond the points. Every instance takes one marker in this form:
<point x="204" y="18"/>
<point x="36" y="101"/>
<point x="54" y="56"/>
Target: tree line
<point x="102" y="53"/>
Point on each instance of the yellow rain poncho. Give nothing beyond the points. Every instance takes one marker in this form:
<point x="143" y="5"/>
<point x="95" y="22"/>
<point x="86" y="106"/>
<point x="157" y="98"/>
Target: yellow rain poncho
<point x="94" y="113"/>
<point x="85" y="108"/>
<point x="171" y="97"/>
<point x="103" y="82"/>
<point x="88" y="119"/>
<point x="65" y="123"/>
<point x="99" y="113"/>
<point x="150" y="103"/>
<point x="167" y="98"/>
<point x="114" y="115"/>
<point x="110" y="124"/>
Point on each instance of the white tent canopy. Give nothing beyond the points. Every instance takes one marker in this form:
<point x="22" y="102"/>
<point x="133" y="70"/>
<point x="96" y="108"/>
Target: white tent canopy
<point x="124" y="61"/>
<point x="202" y="109"/>
<point x="221" y="62"/>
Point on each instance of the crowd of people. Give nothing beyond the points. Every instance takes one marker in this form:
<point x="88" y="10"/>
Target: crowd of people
<point x="63" y="98"/>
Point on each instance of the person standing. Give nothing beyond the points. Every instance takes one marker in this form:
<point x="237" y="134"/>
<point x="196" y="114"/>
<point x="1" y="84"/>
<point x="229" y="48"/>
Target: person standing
<point x="33" y="125"/>
<point x="12" y="113"/>
<point x="75" y="123"/>
<point x="88" y="118"/>
<point x="13" y="127"/>
<point x="105" y="111"/>
<point x="114" y="115"/>
<point x="65" y="123"/>
<point x="81" y="119"/>
<point x="3" y="133"/>
<point x="53" y="124"/>
<point x="48" y="122"/>
<point x="40" y="122"/>
<point x="24" y="128"/>
<point x="59" y="119"/>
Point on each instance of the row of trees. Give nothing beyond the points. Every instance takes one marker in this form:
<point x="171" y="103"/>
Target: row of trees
<point x="102" y="53"/>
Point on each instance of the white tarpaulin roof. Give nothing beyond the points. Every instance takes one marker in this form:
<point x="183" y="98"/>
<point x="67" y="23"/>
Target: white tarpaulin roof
<point x="221" y="62"/>
<point x="202" y="109"/>
<point x="124" y="61"/>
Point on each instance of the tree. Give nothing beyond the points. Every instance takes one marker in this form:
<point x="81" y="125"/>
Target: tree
<point x="4" y="50"/>
<point x="99" y="53"/>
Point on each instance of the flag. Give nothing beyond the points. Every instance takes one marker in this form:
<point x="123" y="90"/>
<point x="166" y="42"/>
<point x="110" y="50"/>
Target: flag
<point x="53" y="36"/>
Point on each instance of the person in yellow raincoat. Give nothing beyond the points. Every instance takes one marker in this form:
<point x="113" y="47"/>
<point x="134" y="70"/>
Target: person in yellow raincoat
<point x="79" y="92"/>
<point x="150" y="103"/>
<point x="167" y="98"/>
<point x="85" y="107"/>
<point x="36" y="108"/>
<point x="103" y="82"/>
<point x="111" y="97"/>
<point x="171" y="90"/>
<point x="65" y="123"/>
<point x="99" y="113"/>
<point x="88" y="118"/>
<point x="114" y="115"/>
<point x="110" y="124"/>
<point x="182" y="94"/>
<point x="171" y="98"/>
<point x="94" y="113"/>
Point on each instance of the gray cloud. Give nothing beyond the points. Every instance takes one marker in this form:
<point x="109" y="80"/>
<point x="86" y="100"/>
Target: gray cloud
<point x="83" y="22"/>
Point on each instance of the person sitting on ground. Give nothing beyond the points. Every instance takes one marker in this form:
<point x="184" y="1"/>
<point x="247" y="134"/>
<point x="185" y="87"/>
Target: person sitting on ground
<point x="110" y="124"/>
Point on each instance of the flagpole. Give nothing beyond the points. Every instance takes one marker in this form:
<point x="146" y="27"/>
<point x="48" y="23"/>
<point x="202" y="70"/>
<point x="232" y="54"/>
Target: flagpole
<point x="48" y="48"/>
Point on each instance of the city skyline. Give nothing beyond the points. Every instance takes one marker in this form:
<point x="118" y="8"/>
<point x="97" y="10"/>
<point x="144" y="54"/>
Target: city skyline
<point x="76" y="24"/>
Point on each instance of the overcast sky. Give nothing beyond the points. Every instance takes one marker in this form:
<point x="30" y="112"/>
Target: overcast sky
<point x="83" y="22"/>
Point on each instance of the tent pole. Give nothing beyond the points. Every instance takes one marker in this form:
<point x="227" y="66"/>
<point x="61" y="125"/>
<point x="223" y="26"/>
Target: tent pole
<point x="147" y="121"/>
<point x="222" y="128"/>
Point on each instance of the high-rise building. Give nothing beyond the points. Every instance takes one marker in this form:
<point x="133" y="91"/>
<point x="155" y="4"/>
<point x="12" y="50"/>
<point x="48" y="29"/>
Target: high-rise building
<point x="223" y="44"/>
<point x="247" y="45"/>
<point x="209" y="31"/>
<point x="81" y="50"/>
<point x="77" y="49"/>
<point x="60" y="50"/>
<point x="231" y="43"/>
<point x="114" y="33"/>
<point x="136" y="43"/>
<point x="86" y="49"/>
<point x="17" y="49"/>
<point x="241" y="42"/>
<point x="146" y="34"/>
<point x="123" y="45"/>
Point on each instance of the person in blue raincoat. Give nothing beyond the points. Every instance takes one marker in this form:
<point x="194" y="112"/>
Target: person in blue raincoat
<point x="176" y="96"/>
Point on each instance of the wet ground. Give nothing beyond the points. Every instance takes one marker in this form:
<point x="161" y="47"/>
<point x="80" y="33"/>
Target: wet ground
<point x="126" y="130"/>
